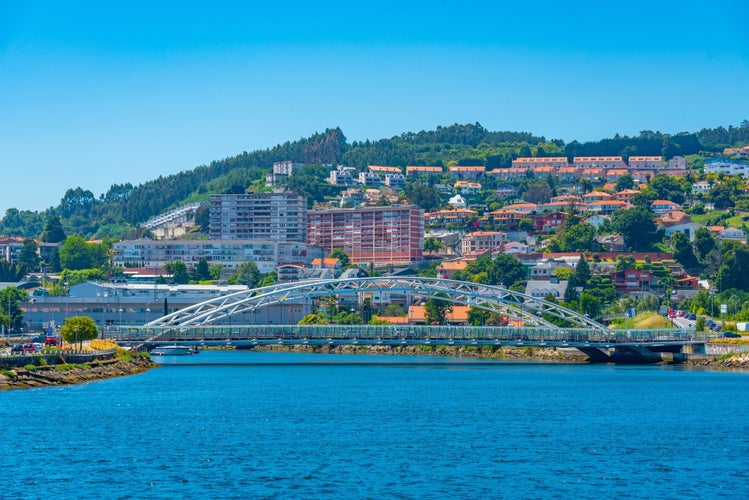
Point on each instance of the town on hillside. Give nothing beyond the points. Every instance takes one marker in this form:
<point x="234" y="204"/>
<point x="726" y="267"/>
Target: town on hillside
<point x="607" y="236"/>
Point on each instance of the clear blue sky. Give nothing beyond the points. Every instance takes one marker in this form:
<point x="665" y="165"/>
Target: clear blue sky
<point x="94" y="93"/>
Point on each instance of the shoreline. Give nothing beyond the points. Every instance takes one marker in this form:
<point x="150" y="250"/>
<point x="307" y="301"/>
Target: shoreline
<point x="71" y="374"/>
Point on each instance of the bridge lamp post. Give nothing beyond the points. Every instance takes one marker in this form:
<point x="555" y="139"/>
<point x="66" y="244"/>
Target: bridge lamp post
<point x="148" y="314"/>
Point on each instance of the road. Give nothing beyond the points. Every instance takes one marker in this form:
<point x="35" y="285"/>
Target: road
<point x="681" y="322"/>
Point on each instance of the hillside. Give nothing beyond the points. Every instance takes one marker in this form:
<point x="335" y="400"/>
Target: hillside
<point x="119" y="211"/>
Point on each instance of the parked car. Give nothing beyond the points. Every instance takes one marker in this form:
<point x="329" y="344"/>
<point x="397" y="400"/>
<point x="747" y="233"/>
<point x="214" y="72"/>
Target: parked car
<point x="17" y="349"/>
<point x="730" y="335"/>
<point x="50" y="340"/>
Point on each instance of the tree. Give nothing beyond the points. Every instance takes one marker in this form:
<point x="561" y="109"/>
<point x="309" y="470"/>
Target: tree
<point x="574" y="237"/>
<point x="392" y="310"/>
<point x="342" y="257"/>
<point x="74" y="254"/>
<point x="477" y="316"/>
<point x="526" y="224"/>
<point x="425" y="197"/>
<point x="179" y="273"/>
<point x="246" y="274"/>
<point x="202" y="271"/>
<point x="436" y="310"/>
<point x="505" y="270"/>
<point x="10" y="298"/>
<point x="53" y="232"/>
<point x="316" y="318"/>
<point x="625" y="182"/>
<point x="704" y="243"/>
<point x="636" y="227"/>
<point x="683" y="252"/>
<point x="203" y="218"/>
<point x="432" y="245"/>
<point x="28" y="255"/>
<point x="79" y="329"/>
<point x="590" y="305"/>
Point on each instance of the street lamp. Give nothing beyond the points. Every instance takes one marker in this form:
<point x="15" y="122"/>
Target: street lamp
<point x="120" y="311"/>
<point x="148" y="314"/>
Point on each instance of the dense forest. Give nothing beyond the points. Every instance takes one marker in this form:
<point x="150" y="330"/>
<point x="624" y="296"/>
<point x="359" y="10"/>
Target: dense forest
<point x="118" y="212"/>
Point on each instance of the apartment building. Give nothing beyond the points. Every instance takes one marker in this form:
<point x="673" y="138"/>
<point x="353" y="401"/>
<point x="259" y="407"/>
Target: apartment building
<point x="478" y="242"/>
<point x="604" y="162"/>
<point x="267" y="254"/>
<point x="276" y="216"/>
<point x="379" y="235"/>
<point x="646" y="162"/>
<point x="554" y="161"/>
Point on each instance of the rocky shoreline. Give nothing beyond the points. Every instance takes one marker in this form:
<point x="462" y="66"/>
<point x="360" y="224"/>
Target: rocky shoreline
<point x="53" y="375"/>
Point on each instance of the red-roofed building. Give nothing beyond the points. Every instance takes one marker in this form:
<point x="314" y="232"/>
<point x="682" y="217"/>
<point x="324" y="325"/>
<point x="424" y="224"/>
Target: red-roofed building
<point x="467" y="172"/>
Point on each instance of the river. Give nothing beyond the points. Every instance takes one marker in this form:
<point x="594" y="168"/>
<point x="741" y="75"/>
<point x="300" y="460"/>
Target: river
<point x="227" y="424"/>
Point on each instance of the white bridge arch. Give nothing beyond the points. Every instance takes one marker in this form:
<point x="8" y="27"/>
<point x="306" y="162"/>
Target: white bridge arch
<point x="487" y="297"/>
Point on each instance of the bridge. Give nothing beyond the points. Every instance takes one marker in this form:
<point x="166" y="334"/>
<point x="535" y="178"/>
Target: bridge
<point x="210" y="323"/>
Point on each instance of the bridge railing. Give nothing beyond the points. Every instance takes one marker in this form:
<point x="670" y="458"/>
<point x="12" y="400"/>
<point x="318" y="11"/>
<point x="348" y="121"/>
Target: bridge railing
<point x="443" y="333"/>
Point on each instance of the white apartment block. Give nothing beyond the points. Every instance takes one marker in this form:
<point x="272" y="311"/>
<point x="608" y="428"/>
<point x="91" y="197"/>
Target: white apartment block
<point x="277" y="216"/>
<point x="727" y="167"/>
<point x="646" y="162"/>
<point x="604" y="162"/>
<point x="229" y="253"/>
<point x="553" y="161"/>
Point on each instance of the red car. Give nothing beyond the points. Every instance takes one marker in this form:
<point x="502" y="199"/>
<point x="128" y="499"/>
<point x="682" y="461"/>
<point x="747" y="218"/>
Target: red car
<point x="50" y="340"/>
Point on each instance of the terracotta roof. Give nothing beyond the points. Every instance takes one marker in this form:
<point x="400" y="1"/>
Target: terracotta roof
<point x="467" y="168"/>
<point x="458" y="313"/>
<point x="381" y="168"/>
<point x="423" y="168"/>
<point x="453" y="265"/>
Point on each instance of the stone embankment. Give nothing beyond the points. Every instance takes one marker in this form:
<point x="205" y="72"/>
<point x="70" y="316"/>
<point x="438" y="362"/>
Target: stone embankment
<point x="738" y="360"/>
<point x="527" y="353"/>
<point x="43" y="376"/>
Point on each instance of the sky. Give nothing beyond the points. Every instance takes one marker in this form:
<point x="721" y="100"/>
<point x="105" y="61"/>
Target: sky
<point x="99" y="93"/>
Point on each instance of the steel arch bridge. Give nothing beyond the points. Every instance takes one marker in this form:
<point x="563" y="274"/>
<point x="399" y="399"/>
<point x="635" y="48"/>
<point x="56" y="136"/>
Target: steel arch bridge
<point x="490" y="298"/>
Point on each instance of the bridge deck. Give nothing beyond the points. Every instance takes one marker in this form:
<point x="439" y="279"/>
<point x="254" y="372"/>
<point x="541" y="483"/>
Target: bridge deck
<point x="248" y="335"/>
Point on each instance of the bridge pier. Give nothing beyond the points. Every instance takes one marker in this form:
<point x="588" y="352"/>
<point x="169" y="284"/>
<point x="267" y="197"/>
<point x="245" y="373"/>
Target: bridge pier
<point x="629" y="355"/>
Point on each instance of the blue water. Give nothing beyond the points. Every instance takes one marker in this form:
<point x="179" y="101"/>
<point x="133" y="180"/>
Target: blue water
<point x="243" y="424"/>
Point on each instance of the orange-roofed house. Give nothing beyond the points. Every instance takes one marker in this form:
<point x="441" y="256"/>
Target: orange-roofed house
<point x="327" y="263"/>
<point x="446" y="269"/>
<point x="626" y="195"/>
<point x="614" y="174"/>
<point x="506" y="216"/>
<point x="645" y="162"/>
<point x="593" y="174"/>
<point x="660" y="207"/>
<point x="478" y="242"/>
<point x="458" y="315"/>
<point x="596" y="196"/>
<point x="599" y="162"/>
<point x="467" y="187"/>
<point x="445" y="218"/>
<point x="567" y="174"/>
<point x="417" y="170"/>
<point x="606" y="207"/>
<point x="467" y="172"/>
<point x="543" y="171"/>
<point x="381" y="169"/>
<point x="554" y="161"/>
<point x="526" y="208"/>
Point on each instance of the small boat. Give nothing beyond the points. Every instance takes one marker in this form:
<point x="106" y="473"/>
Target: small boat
<point x="173" y="350"/>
